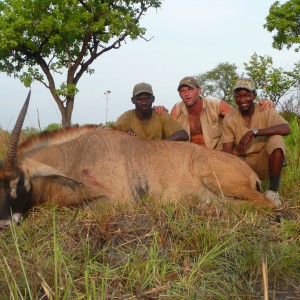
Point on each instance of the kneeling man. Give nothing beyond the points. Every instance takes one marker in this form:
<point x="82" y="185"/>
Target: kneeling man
<point x="256" y="136"/>
<point x="145" y="123"/>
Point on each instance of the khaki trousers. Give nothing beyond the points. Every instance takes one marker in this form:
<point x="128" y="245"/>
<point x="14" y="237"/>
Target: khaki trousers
<point x="259" y="161"/>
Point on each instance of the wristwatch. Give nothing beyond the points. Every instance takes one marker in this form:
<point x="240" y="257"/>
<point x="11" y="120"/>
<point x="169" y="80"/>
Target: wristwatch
<point x="255" y="132"/>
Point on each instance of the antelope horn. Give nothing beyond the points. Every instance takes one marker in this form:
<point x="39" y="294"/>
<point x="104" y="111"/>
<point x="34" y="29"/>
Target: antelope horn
<point x="10" y="164"/>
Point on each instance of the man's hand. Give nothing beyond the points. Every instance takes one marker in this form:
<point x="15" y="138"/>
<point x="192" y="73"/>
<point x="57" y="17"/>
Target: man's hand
<point x="131" y="132"/>
<point x="160" y="109"/>
<point x="245" y="140"/>
<point x="266" y="104"/>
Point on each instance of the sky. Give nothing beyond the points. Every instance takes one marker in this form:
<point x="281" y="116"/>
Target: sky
<point x="189" y="37"/>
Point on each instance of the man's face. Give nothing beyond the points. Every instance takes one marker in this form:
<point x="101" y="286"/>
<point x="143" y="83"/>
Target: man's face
<point x="244" y="99"/>
<point x="189" y="95"/>
<point x="143" y="102"/>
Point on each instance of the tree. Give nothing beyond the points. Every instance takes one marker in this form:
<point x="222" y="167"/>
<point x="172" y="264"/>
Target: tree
<point x="40" y="39"/>
<point x="285" y="20"/>
<point x="273" y="83"/>
<point x="219" y="82"/>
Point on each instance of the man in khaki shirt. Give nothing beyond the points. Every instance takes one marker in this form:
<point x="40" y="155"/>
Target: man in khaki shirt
<point x="144" y="123"/>
<point x="200" y="116"/>
<point x="256" y="136"/>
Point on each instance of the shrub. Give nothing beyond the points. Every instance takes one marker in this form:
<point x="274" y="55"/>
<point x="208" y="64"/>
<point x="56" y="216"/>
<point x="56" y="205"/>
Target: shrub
<point x="53" y="126"/>
<point x="30" y="131"/>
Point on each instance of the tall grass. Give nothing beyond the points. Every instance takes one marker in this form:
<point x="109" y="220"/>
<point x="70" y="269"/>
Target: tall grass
<point x="150" y="250"/>
<point x="290" y="185"/>
<point x="183" y="251"/>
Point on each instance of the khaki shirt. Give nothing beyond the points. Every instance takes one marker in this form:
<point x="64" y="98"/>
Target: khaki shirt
<point x="235" y="127"/>
<point x="158" y="127"/>
<point x="210" y="119"/>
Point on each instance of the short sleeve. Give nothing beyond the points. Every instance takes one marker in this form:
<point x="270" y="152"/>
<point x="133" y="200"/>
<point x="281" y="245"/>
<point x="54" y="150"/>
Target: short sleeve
<point x="170" y="126"/>
<point x="274" y="118"/>
<point x="124" y="121"/>
<point x="228" y="134"/>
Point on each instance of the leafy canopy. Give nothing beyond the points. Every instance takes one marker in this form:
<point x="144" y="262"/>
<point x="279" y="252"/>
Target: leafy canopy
<point x="67" y="32"/>
<point x="276" y="84"/>
<point x="273" y="83"/>
<point x="43" y="38"/>
<point x="219" y="82"/>
<point x="284" y="19"/>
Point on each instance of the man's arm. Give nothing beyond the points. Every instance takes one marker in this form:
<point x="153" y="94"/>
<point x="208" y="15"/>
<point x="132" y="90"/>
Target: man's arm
<point x="174" y="131"/>
<point x="123" y="123"/>
<point x="281" y="129"/>
<point x="160" y="109"/>
<point x="174" y="113"/>
<point x="225" y="108"/>
<point x="180" y="135"/>
<point x="228" y="137"/>
<point x="265" y="104"/>
<point x="228" y="147"/>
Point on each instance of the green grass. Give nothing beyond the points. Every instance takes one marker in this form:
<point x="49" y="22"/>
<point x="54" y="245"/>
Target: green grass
<point x="290" y="183"/>
<point x="150" y="250"/>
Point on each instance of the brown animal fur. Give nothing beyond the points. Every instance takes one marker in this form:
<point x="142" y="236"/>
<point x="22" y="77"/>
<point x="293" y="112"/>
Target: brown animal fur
<point x="83" y="163"/>
<point x="46" y="138"/>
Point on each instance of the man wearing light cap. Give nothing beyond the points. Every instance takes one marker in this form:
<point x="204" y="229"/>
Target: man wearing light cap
<point x="256" y="136"/>
<point x="144" y="123"/>
<point x="200" y="116"/>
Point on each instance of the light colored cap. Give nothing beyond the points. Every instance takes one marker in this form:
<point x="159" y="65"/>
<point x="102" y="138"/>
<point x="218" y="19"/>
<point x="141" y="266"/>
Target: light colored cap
<point x="188" y="81"/>
<point x="244" y="83"/>
<point x="142" y="88"/>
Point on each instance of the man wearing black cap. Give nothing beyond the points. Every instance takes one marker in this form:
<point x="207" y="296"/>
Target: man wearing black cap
<point x="256" y="136"/>
<point x="144" y="123"/>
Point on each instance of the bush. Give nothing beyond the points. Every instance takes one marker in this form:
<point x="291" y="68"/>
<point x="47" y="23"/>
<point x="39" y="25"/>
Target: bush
<point x="110" y="123"/>
<point x="53" y="126"/>
<point x="30" y="131"/>
<point x="290" y="116"/>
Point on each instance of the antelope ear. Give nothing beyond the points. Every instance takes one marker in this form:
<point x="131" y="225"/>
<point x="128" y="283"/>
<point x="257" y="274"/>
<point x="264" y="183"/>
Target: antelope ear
<point x="32" y="169"/>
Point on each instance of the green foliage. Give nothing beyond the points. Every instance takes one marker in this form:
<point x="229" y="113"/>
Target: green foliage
<point x="284" y="20"/>
<point x="275" y="84"/>
<point x="272" y="83"/>
<point x="290" y="116"/>
<point x="30" y="131"/>
<point x="290" y="185"/>
<point x="40" y="39"/>
<point x="52" y="127"/>
<point x="219" y="82"/>
<point x="67" y="90"/>
<point x="149" y="250"/>
<point x="110" y="123"/>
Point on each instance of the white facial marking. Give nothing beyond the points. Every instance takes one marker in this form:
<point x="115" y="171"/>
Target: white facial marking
<point x="17" y="217"/>
<point x="4" y="223"/>
<point x="13" y="187"/>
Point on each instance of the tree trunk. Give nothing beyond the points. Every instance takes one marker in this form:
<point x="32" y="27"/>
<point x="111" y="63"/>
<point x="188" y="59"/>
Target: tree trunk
<point x="66" y="112"/>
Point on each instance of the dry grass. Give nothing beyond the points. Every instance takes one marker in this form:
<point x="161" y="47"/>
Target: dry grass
<point x="4" y="140"/>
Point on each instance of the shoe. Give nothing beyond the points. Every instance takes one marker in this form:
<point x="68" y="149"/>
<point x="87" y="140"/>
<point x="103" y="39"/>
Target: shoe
<point x="274" y="197"/>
